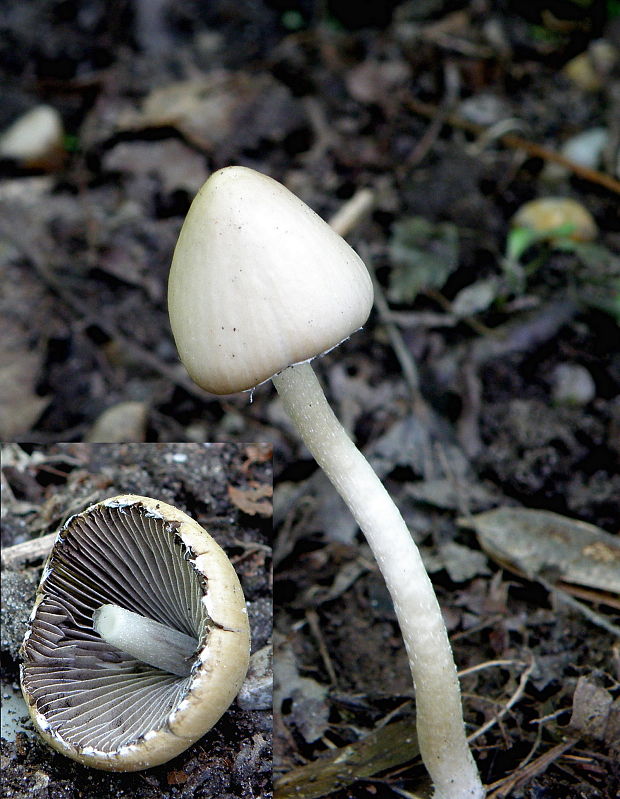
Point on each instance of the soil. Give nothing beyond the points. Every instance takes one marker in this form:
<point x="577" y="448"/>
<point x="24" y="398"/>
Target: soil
<point x="452" y="114"/>
<point x="216" y="485"/>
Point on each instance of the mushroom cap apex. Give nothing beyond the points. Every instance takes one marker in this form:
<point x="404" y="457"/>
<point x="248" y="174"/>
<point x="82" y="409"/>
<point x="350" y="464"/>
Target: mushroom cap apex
<point x="259" y="282"/>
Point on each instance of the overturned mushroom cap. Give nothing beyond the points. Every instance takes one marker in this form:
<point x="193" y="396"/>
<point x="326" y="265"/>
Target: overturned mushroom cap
<point x="259" y="282"/>
<point x="98" y="704"/>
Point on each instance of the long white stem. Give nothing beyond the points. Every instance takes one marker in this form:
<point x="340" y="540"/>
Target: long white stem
<point x="441" y="733"/>
<point x="146" y="639"/>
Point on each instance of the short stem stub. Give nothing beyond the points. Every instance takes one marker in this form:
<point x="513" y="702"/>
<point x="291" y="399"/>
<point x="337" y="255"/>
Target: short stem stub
<point x="145" y="639"/>
<point x="441" y="732"/>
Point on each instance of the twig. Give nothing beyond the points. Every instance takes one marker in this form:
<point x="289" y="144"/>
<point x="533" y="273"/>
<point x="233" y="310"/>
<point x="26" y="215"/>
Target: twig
<point x="488" y="664"/>
<point x="521" y="336"/>
<point x="523" y="775"/>
<point x="512" y="701"/>
<point x="315" y="628"/>
<point x="352" y="212"/>
<point x="35" y="549"/>
<point x="468" y="424"/>
<point x="515" y="142"/>
<point x="476" y="325"/>
<point x="250" y="547"/>
<point x="343" y="222"/>
<point x="592" y="615"/>
<point x="550" y="716"/>
<point x="407" y="364"/>
<point x="438" y="120"/>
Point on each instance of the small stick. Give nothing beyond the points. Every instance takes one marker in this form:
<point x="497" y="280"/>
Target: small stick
<point x="35" y="549"/>
<point x="563" y="596"/>
<point x="512" y="701"/>
<point x="343" y="222"/>
<point x="524" y="775"/>
<point x="352" y="212"/>
<point x="315" y="627"/>
<point x="518" y="143"/>
<point x="407" y="364"/>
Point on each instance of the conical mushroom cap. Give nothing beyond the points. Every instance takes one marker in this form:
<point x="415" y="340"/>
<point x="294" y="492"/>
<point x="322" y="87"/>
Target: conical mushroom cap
<point x="259" y="282"/>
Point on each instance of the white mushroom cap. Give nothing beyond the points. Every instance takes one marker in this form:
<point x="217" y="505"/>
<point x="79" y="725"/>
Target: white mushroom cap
<point x="98" y="704"/>
<point x="259" y="282"/>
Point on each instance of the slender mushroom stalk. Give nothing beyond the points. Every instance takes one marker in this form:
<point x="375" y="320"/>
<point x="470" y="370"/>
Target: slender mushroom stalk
<point x="260" y="285"/>
<point x="439" y="720"/>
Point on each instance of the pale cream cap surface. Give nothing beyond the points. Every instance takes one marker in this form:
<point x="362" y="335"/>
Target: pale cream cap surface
<point x="259" y="282"/>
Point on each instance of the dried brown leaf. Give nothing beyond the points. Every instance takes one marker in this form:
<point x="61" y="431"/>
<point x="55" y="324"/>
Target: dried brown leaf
<point x="253" y="500"/>
<point x="535" y="542"/>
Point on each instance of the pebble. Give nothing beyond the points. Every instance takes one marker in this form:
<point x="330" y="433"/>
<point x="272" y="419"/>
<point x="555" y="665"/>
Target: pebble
<point x="35" y="139"/>
<point x="125" y="421"/>
<point x="572" y="385"/>
<point x="257" y="690"/>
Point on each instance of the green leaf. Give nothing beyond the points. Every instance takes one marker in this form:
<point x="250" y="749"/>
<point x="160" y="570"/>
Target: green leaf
<point x="519" y="240"/>
<point x="70" y="142"/>
<point x="292" y="20"/>
<point x="423" y="256"/>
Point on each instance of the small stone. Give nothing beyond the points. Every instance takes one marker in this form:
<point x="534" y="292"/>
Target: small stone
<point x="125" y="421"/>
<point x="35" y="139"/>
<point x="586" y="148"/>
<point x="572" y="385"/>
<point x="41" y="780"/>
<point x="590" y="69"/>
<point x="257" y="690"/>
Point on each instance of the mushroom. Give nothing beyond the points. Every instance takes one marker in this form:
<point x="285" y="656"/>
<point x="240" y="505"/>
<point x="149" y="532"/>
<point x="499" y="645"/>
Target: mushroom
<point x="139" y="637"/>
<point x="259" y="286"/>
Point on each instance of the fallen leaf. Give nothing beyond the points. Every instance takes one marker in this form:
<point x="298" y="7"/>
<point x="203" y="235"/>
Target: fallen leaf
<point x="256" y="453"/>
<point x="253" y="500"/>
<point x="462" y="563"/>
<point x="176" y="778"/>
<point x="475" y="298"/>
<point x="534" y="542"/>
<point x="442" y="492"/>
<point x="309" y="708"/>
<point x="176" y="166"/>
<point x="222" y="109"/>
<point x="423" y="256"/>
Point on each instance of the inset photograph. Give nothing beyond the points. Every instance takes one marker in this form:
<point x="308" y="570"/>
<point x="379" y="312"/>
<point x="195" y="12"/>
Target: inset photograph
<point x="137" y="619"/>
